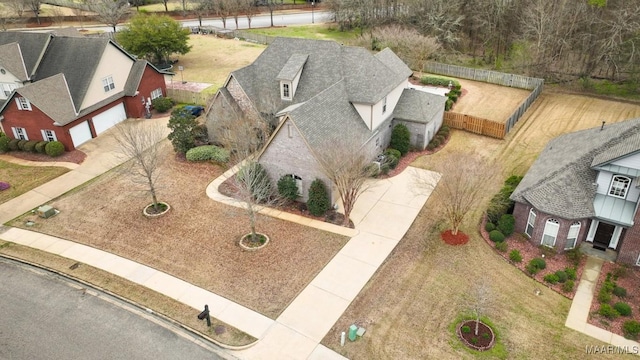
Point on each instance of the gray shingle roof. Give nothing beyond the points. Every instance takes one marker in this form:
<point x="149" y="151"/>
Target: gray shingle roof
<point x="561" y="181"/>
<point x="418" y="106"/>
<point x="77" y="58"/>
<point x="367" y="78"/>
<point x="292" y="66"/>
<point x="330" y="118"/>
<point x="11" y="59"/>
<point x="32" y="45"/>
<point x="51" y="96"/>
<point x="135" y="76"/>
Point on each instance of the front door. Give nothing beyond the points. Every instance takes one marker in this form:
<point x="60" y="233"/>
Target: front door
<point x="603" y="236"/>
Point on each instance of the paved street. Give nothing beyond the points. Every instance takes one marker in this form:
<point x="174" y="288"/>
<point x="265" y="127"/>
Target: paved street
<point x="47" y="317"/>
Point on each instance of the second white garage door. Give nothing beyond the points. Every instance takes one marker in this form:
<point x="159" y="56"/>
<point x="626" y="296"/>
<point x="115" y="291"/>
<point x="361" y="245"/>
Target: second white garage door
<point x="80" y="133"/>
<point x="109" y="118"/>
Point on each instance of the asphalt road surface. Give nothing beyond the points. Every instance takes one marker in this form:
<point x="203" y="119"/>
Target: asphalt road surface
<point x="44" y="316"/>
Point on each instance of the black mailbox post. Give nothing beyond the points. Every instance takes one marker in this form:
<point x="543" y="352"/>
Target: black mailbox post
<point x="205" y="315"/>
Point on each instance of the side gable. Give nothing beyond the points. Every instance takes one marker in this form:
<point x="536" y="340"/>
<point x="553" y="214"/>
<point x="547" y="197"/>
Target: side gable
<point x="12" y="61"/>
<point x="52" y="97"/>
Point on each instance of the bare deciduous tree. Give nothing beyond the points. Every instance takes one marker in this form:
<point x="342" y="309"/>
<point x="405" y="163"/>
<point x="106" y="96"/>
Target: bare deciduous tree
<point x="348" y="167"/>
<point x="140" y="141"/>
<point x="407" y="43"/>
<point x="18" y="7"/>
<point x="109" y="11"/>
<point x="480" y="301"/>
<point x="244" y="136"/>
<point x="460" y="188"/>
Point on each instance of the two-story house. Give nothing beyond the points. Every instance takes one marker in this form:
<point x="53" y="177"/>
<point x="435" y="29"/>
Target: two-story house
<point x="584" y="188"/>
<point x="319" y="93"/>
<point x="70" y="89"/>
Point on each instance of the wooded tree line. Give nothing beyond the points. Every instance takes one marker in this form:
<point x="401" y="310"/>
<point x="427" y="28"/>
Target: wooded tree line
<point x="547" y="38"/>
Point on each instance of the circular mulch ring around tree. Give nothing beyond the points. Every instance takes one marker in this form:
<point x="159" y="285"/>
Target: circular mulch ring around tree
<point x="248" y="245"/>
<point x="150" y="211"/>
<point x="458" y="239"/>
<point x="481" y="342"/>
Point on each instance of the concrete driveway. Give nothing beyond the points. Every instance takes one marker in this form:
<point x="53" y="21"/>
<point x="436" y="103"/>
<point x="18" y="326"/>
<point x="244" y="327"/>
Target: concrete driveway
<point x="103" y="154"/>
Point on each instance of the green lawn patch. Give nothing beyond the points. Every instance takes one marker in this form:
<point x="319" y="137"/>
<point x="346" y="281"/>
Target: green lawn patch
<point x="24" y="178"/>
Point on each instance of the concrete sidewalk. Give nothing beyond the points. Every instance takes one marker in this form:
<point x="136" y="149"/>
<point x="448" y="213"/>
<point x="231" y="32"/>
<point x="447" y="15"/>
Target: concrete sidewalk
<point x="247" y="320"/>
<point x="581" y="305"/>
<point x="382" y="216"/>
<point x="103" y="154"/>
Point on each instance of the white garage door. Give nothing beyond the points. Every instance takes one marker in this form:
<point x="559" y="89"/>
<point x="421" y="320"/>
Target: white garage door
<point x="109" y="118"/>
<point x="80" y="133"/>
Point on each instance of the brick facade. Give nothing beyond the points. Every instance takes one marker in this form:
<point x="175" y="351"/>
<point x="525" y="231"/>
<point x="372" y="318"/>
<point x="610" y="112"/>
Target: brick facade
<point x="151" y="80"/>
<point x="521" y="215"/>
<point x="35" y="120"/>
<point x="629" y="248"/>
<point x="289" y="144"/>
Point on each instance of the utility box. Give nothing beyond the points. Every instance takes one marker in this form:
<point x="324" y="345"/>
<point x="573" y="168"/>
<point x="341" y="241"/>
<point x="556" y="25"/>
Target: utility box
<point x="353" y="330"/>
<point x="46" y="211"/>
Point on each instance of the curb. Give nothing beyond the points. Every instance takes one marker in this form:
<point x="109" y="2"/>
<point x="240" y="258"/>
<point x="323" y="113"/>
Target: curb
<point x="195" y="333"/>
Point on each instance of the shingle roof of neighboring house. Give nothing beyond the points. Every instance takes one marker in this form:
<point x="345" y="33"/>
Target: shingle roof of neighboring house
<point x="32" y="46"/>
<point x="367" y="77"/>
<point x="77" y="58"/>
<point x="12" y="60"/>
<point x="418" y="106"/>
<point x="561" y="181"/>
<point x="51" y="96"/>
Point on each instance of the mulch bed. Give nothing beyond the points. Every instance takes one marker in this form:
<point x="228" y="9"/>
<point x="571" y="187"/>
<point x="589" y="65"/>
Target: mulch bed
<point x="228" y="188"/>
<point x="75" y="156"/>
<point x="458" y="239"/>
<point x="628" y="278"/>
<point x="528" y="251"/>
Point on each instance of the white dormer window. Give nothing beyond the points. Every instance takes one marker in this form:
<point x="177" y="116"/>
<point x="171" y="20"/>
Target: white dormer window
<point x="384" y="105"/>
<point x="619" y="186"/>
<point x="108" y="84"/>
<point x="286" y="91"/>
<point x="23" y="103"/>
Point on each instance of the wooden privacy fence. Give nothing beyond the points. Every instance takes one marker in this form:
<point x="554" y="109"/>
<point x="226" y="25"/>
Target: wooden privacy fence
<point x="188" y="96"/>
<point x="475" y="124"/>
<point x="493" y="77"/>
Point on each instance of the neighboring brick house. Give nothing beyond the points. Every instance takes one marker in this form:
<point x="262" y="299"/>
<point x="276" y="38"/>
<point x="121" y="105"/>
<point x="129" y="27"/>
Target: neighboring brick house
<point x="70" y="89"/>
<point x="316" y="93"/>
<point x="584" y="188"/>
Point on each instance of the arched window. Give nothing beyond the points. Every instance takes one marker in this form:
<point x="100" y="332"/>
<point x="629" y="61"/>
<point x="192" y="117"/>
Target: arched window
<point x="619" y="186"/>
<point x="572" y="236"/>
<point x="531" y="222"/>
<point x="550" y="232"/>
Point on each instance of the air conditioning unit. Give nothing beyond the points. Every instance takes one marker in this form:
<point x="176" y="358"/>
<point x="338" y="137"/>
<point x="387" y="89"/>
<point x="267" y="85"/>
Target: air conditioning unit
<point x="46" y="211"/>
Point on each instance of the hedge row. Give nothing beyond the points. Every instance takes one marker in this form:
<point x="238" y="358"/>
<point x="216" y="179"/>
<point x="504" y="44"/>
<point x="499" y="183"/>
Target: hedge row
<point x="51" y="148"/>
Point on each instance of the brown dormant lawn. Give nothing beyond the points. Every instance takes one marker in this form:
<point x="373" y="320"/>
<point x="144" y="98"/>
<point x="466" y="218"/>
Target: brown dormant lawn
<point x="197" y="240"/>
<point x="411" y="302"/>
<point x="211" y="59"/>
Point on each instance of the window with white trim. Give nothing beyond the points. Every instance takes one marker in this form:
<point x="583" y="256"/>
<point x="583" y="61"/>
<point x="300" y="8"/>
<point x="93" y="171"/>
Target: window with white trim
<point x="550" y="232"/>
<point x="286" y="94"/>
<point x="108" y="84"/>
<point x="156" y="93"/>
<point x="23" y="103"/>
<point x="20" y="133"/>
<point x="619" y="186"/>
<point x="48" y="135"/>
<point x="572" y="236"/>
<point x="7" y="88"/>
<point x="531" y="222"/>
<point x="384" y="105"/>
